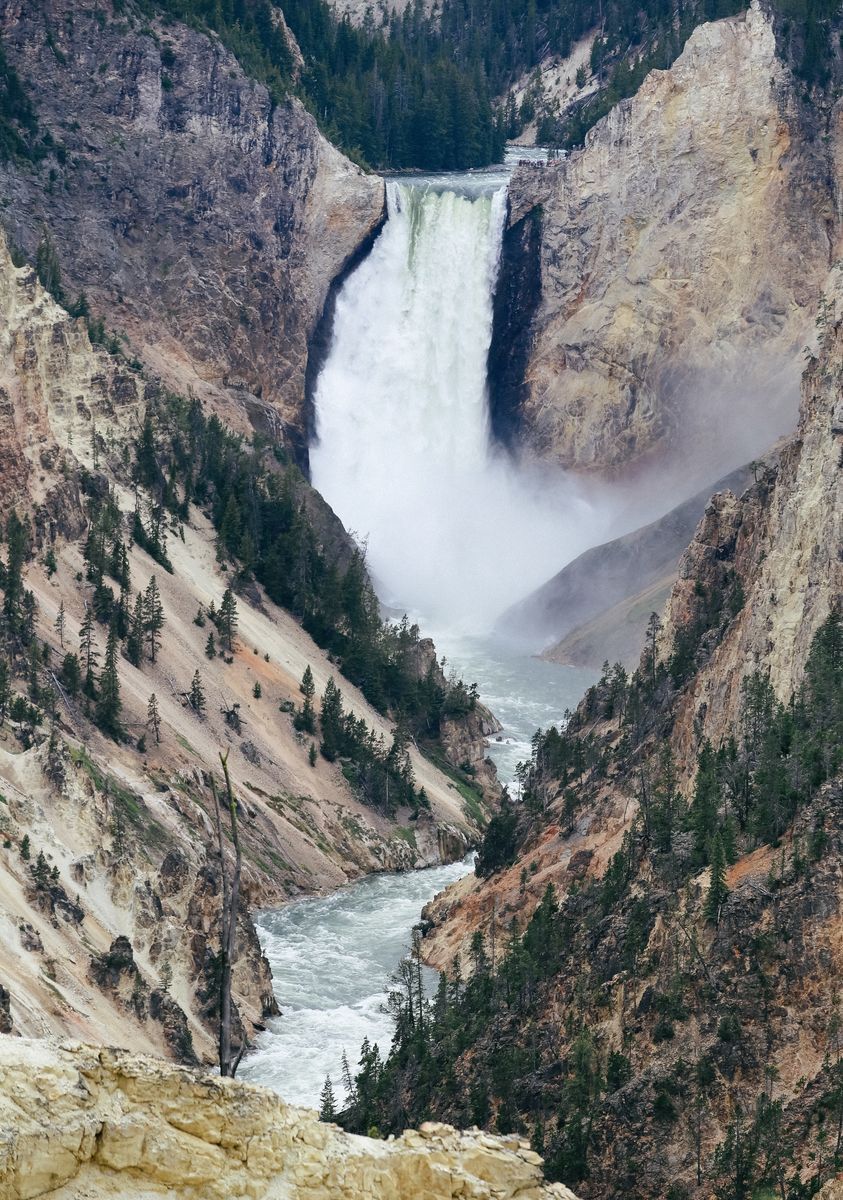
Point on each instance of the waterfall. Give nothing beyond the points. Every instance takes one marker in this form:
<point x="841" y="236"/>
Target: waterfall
<point x="454" y="529"/>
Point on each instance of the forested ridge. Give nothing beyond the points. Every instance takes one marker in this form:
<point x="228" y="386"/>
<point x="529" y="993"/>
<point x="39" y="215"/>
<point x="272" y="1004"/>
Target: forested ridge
<point x="429" y="89"/>
<point x="432" y="89"/>
<point x="519" y="1038"/>
<point x="256" y="500"/>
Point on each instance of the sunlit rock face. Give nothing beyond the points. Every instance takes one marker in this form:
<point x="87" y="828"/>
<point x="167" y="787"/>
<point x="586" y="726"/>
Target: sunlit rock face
<point x="681" y="256"/>
<point x="118" y="1124"/>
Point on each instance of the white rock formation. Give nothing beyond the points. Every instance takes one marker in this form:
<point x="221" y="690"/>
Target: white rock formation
<point x="78" y="1121"/>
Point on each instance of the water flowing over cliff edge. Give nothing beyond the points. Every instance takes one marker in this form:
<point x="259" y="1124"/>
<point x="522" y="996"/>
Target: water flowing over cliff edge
<point x="455" y="528"/>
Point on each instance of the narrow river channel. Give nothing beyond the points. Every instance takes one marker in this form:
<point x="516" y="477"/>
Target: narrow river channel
<point x="331" y="960"/>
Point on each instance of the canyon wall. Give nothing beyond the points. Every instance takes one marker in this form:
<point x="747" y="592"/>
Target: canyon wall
<point x="711" y="1011"/>
<point x="782" y="539"/>
<point x="201" y="218"/>
<point x="118" y="1124"/>
<point x="117" y="935"/>
<point x="681" y="255"/>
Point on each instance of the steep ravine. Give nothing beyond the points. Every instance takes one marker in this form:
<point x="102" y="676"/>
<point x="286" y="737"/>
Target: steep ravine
<point x="120" y="943"/>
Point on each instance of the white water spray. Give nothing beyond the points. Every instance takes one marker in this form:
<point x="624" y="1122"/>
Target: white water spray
<point x="455" y="530"/>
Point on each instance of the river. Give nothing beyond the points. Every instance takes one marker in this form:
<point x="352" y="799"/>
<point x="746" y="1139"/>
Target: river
<point x="455" y="531"/>
<point x="331" y="961"/>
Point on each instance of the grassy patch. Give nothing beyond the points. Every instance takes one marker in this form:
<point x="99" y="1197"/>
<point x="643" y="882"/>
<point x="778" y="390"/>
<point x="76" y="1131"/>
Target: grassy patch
<point x="352" y="825"/>
<point x="127" y="803"/>
<point x="279" y="860"/>
<point x="406" y="834"/>
<point x="471" y="794"/>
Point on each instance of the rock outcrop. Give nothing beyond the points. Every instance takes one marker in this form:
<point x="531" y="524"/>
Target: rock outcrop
<point x="199" y="216"/>
<point x="463" y="732"/>
<point x="680" y="259"/>
<point x="782" y="540"/>
<point x="77" y="1120"/>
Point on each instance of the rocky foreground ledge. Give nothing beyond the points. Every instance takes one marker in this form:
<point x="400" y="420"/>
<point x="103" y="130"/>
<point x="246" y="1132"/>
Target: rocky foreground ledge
<point x="86" y="1121"/>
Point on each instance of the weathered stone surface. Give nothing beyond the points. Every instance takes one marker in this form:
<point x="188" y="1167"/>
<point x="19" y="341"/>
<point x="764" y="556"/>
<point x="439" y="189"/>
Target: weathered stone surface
<point x="69" y="407"/>
<point x="783" y="540"/>
<point x="80" y="1121"/>
<point x="682" y="255"/>
<point x="198" y="216"/>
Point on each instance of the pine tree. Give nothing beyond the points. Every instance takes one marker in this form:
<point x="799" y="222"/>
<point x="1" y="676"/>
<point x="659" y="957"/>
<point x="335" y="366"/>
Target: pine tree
<point x="153" y="616"/>
<point x="228" y="619"/>
<point x="119" y="562"/>
<point x="257" y="690"/>
<point x="137" y="633"/>
<point x="332" y="721"/>
<point x="311" y="754"/>
<point x="147" y="463"/>
<point x="71" y="676"/>
<point x="327" y="1103"/>
<point x="307" y="687"/>
<point x="196" y="695"/>
<point x="17" y="536"/>
<point x="153" y="717"/>
<point x="59" y="623"/>
<point x="109" y="705"/>
<point x="89" y="652"/>
<point x="5" y="689"/>
<point x="210" y="647"/>
<point x="29" y="607"/>
<point x="47" y="267"/>
<point x="717" y="889"/>
<point x="230" y="528"/>
<point x="347" y="1079"/>
<point x="305" y="718"/>
<point x="41" y="871"/>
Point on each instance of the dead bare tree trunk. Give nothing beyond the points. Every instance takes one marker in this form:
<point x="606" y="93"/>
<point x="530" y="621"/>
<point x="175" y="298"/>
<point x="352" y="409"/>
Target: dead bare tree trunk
<point x="228" y="924"/>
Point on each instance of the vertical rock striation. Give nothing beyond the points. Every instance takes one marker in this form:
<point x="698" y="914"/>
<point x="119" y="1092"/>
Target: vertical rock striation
<point x="199" y="216"/>
<point x="682" y="256"/>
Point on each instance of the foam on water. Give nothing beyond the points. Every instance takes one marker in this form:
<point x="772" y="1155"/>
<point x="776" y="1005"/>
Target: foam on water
<point x="331" y="961"/>
<point x="454" y="527"/>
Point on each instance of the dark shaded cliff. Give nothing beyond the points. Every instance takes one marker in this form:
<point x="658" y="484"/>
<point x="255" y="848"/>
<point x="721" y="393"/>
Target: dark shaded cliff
<point x="200" y="219"/>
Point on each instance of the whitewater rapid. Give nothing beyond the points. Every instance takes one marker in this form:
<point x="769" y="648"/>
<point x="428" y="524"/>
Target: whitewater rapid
<point x="331" y="961"/>
<point x="454" y="528"/>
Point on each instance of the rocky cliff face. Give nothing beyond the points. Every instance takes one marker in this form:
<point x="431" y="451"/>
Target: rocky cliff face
<point x="681" y="258"/>
<point x="118" y="1124"/>
<point x="199" y="217"/>
<point x="782" y="538"/>
<point x="716" y="1020"/>
<point x="120" y="941"/>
